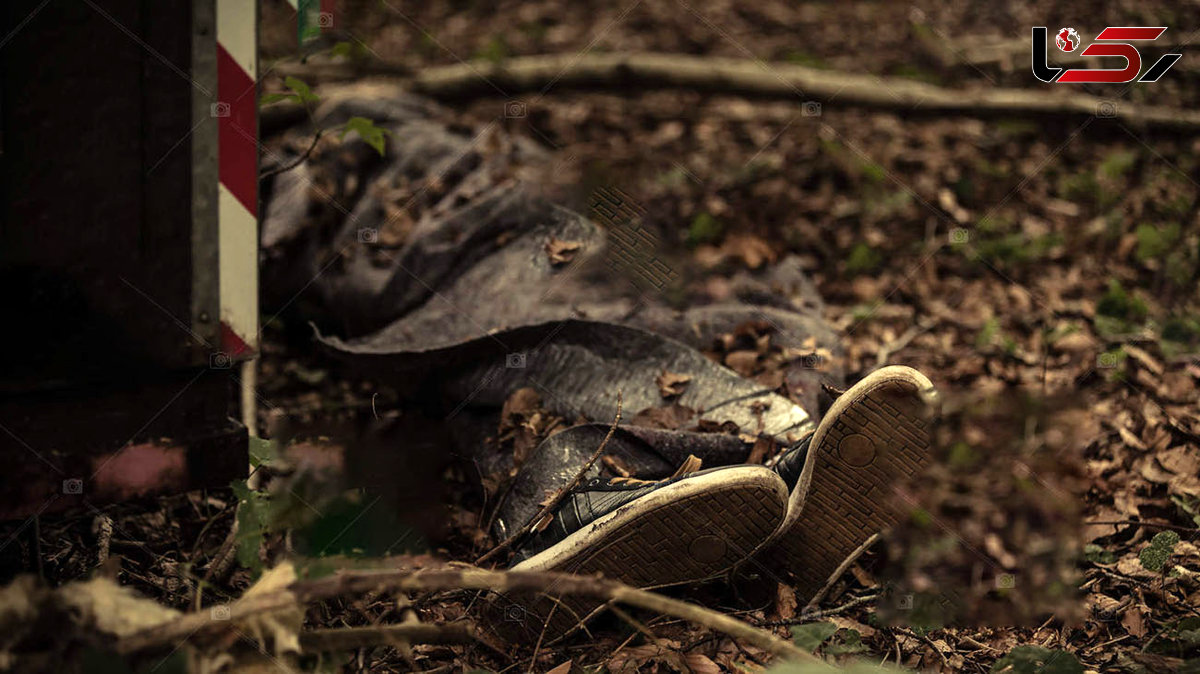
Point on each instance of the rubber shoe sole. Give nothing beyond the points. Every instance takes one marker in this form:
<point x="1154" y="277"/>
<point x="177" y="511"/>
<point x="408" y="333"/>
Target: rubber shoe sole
<point x="875" y="435"/>
<point x="689" y="531"/>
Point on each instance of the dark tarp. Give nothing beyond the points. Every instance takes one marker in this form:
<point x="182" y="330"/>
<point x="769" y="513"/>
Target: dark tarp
<point x="439" y="269"/>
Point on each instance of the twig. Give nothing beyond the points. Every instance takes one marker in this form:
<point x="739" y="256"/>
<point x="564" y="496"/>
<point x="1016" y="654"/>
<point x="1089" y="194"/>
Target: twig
<point x="1116" y="523"/>
<point x="541" y="636"/>
<point x="349" y="638"/>
<point x="637" y="625"/>
<point x="103" y="525"/>
<point x="928" y="642"/>
<point x="837" y="573"/>
<point x="296" y="162"/>
<point x="630" y="71"/>
<point x="223" y="560"/>
<point x="902" y="341"/>
<point x="558" y="497"/>
<point x="408" y="580"/>
<point x="817" y="615"/>
<point x="249" y="385"/>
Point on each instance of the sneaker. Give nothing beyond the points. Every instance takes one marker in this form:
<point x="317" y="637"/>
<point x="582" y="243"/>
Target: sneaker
<point x="687" y="528"/>
<point x="876" y="434"/>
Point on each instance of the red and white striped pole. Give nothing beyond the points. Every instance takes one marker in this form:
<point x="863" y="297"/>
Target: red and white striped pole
<point x="237" y="209"/>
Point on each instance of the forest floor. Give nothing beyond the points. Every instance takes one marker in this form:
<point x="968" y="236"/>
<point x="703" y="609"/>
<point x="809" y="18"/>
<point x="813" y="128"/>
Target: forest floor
<point x="1041" y="271"/>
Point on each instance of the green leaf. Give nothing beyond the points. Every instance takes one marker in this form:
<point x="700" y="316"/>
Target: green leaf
<point x="302" y="89"/>
<point x="1190" y="507"/>
<point x="252" y="526"/>
<point x="366" y="129"/>
<point x="852" y="667"/>
<point x="1037" y="660"/>
<point x="268" y="99"/>
<point x="810" y="636"/>
<point x="342" y="49"/>
<point x="863" y="258"/>
<point x="846" y="641"/>
<point x="1155" y="242"/>
<point x="1154" y="556"/>
<point x="1098" y="555"/>
<point x="261" y="451"/>
<point x="704" y="229"/>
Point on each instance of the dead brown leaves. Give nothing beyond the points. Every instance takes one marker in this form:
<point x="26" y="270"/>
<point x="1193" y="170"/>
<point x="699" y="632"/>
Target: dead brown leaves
<point x="561" y="252"/>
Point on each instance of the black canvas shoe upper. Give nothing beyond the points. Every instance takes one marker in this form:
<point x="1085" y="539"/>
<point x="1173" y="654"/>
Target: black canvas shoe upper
<point x="790" y="463"/>
<point x="600" y="496"/>
<point x="589" y="502"/>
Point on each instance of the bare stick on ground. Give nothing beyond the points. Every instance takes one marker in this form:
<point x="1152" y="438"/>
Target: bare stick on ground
<point x="746" y="77"/>
<point x="558" y="498"/>
<point x="358" y="582"/>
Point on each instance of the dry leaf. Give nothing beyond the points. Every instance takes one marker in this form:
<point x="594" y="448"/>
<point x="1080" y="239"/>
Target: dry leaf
<point x="282" y="626"/>
<point x="785" y="603"/>
<point x="113" y="609"/>
<point x="617" y="465"/>
<point x="1134" y="622"/>
<point x="699" y="663"/>
<point x="742" y="362"/>
<point x="561" y="252"/>
<point x="671" y="384"/>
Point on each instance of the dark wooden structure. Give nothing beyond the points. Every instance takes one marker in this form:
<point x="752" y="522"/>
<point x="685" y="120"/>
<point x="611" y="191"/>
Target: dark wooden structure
<point x="115" y="377"/>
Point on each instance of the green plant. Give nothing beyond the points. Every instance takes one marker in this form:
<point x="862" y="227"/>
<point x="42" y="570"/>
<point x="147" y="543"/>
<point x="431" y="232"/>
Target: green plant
<point x="1155" y="242"/>
<point x="704" y="229"/>
<point x="1037" y="660"/>
<point x="862" y="259"/>
<point x="1117" y="164"/>
<point x="1119" y="311"/>
<point x="1098" y="555"/>
<point x="301" y="94"/>
<point x="1154" y="556"/>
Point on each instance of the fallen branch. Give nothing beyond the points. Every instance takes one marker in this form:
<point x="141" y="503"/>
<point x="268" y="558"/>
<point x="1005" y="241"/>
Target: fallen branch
<point x="558" y="497"/>
<point x="349" y="638"/>
<point x="359" y="582"/>
<point x="633" y="71"/>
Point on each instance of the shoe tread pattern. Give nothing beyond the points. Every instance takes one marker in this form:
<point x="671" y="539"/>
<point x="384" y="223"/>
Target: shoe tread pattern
<point x="655" y="549"/>
<point x="846" y="504"/>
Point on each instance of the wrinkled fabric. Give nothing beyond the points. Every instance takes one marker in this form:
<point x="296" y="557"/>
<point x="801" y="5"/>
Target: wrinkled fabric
<point x="432" y="270"/>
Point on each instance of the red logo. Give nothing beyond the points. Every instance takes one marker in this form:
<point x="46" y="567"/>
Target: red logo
<point x="1112" y="41"/>
<point x="1067" y="39"/>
